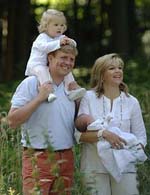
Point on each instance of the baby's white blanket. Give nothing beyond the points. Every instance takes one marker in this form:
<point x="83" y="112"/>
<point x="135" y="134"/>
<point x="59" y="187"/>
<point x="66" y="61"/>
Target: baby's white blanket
<point x="116" y="161"/>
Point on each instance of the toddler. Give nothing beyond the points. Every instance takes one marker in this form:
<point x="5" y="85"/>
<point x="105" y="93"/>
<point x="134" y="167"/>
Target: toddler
<point x="52" y="26"/>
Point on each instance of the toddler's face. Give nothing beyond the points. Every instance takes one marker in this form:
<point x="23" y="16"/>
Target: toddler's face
<point x="56" y="27"/>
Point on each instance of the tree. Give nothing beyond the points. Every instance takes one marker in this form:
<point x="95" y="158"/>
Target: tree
<point x="120" y="26"/>
<point x="15" y="22"/>
<point x="99" y="27"/>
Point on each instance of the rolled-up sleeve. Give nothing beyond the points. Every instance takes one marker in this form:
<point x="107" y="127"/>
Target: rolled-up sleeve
<point x="83" y="109"/>
<point x="84" y="106"/>
<point x="137" y="124"/>
<point x="23" y="93"/>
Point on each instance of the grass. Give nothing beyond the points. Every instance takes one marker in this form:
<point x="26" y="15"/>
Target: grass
<point x="10" y="148"/>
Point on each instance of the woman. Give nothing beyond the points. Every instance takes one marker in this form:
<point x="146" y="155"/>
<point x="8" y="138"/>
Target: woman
<point x="108" y="96"/>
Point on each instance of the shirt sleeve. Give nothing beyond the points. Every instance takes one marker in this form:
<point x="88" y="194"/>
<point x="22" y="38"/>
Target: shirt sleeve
<point x="45" y="44"/>
<point x="84" y="106"/>
<point x="83" y="109"/>
<point x="24" y="93"/>
<point x="137" y="124"/>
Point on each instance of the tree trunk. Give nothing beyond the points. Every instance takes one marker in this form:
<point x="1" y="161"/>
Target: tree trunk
<point x="120" y="26"/>
<point x="16" y="48"/>
<point x="1" y="68"/>
<point x="9" y="60"/>
<point x="22" y="36"/>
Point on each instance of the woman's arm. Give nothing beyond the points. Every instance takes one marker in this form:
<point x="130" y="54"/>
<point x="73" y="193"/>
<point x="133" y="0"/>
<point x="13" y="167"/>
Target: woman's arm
<point x="137" y="124"/>
<point x="89" y="137"/>
<point x="112" y="138"/>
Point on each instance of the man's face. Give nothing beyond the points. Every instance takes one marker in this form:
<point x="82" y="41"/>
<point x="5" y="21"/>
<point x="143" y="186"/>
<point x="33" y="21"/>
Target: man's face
<point x="61" y="63"/>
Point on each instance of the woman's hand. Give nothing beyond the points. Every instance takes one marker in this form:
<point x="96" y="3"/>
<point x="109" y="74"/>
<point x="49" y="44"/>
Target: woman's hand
<point x="115" y="141"/>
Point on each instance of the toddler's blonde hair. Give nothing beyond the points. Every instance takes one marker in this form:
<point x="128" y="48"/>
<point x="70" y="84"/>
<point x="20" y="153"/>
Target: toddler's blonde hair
<point x="47" y="17"/>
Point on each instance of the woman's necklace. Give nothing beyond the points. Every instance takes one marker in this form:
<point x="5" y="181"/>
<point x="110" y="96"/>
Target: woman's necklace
<point x="110" y="117"/>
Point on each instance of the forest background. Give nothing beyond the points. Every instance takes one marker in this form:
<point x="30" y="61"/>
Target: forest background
<point x="99" y="27"/>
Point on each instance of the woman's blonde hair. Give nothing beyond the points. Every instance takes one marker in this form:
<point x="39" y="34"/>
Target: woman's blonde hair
<point x="48" y="16"/>
<point x="99" y="68"/>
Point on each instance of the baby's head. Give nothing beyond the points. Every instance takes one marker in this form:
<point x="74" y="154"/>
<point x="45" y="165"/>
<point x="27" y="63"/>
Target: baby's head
<point x="83" y="121"/>
<point x="53" y="23"/>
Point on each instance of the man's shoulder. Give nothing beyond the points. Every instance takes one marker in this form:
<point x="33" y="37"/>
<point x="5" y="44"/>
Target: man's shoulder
<point x="28" y="86"/>
<point x="30" y="80"/>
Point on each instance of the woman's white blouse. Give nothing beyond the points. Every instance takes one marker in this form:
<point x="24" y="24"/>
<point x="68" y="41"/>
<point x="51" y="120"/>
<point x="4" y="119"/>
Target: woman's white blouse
<point x="127" y="116"/>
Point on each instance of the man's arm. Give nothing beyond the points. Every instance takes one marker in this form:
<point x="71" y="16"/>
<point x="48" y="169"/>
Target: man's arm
<point x="17" y="116"/>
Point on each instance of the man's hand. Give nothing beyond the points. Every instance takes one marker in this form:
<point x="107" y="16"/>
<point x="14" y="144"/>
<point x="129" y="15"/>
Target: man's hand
<point x="44" y="91"/>
<point x="66" y="41"/>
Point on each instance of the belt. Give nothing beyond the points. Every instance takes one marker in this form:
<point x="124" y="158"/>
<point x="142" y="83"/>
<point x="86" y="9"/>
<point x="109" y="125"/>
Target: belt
<point x="43" y="150"/>
<point x="64" y="150"/>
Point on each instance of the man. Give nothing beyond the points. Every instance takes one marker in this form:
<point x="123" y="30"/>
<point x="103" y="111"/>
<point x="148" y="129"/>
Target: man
<point x="46" y="125"/>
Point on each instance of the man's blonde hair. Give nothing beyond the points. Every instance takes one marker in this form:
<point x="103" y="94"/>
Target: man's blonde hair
<point x="48" y="16"/>
<point x="66" y="49"/>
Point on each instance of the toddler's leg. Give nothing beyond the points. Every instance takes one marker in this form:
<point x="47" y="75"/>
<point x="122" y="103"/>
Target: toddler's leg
<point x="75" y="93"/>
<point x="68" y="79"/>
<point x="43" y="75"/>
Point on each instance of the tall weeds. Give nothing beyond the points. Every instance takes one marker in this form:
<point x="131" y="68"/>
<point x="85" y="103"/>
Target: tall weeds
<point x="10" y="155"/>
<point x="10" y="159"/>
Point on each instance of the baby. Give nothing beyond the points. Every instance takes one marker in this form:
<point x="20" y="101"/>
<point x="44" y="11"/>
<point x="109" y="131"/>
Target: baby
<point x="52" y="26"/>
<point x="115" y="160"/>
<point x="87" y="122"/>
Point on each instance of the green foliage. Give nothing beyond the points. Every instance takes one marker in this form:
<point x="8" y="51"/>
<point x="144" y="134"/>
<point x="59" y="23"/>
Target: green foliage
<point x="10" y="159"/>
<point x="6" y="90"/>
<point x="10" y="148"/>
<point x="143" y="94"/>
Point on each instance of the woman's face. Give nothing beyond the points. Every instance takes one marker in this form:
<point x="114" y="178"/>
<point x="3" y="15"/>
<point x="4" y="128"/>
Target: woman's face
<point x="113" y="75"/>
